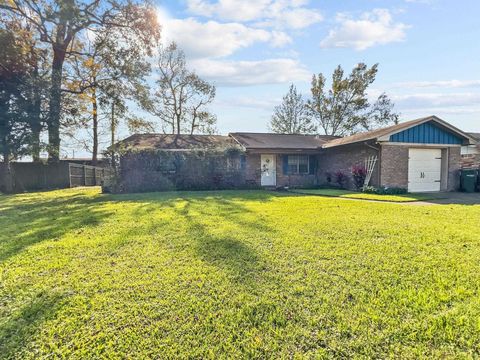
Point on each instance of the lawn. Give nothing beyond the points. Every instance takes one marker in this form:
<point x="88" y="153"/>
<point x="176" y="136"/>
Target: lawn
<point x="236" y="275"/>
<point x="348" y="194"/>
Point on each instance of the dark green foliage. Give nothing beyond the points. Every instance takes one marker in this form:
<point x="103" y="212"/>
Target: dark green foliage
<point x="291" y="116"/>
<point x="384" y="190"/>
<point x="344" y="109"/>
<point x="143" y="171"/>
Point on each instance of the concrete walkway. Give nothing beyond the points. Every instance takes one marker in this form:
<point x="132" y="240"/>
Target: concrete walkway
<point x="449" y="198"/>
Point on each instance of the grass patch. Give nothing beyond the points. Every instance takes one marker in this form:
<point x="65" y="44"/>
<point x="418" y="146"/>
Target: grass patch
<point x="235" y="274"/>
<point x="348" y="194"/>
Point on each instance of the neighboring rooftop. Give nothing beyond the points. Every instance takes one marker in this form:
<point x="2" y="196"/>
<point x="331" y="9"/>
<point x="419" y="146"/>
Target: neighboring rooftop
<point x="176" y="142"/>
<point x="281" y="141"/>
<point x="476" y="136"/>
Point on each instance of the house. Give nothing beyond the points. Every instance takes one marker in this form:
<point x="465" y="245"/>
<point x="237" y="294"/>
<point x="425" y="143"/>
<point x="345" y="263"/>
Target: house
<point x="420" y="155"/>
<point x="471" y="153"/>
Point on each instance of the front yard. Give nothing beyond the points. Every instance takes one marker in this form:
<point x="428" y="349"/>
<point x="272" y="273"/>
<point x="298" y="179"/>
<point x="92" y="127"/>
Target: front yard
<point x="236" y="274"/>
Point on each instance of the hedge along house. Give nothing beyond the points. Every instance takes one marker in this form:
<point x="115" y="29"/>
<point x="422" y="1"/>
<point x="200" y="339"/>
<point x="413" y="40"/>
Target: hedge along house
<point x="421" y="155"/>
<point x="153" y="162"/>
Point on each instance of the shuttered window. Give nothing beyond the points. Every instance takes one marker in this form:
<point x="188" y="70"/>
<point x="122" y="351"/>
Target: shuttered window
<point x="298" y="164"/>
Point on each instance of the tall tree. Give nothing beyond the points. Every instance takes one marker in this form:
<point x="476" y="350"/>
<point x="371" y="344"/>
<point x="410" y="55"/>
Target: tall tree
<point x="344" y="108"/>
<point x="111" y="70"/>
<point x="22" y="89"/>
<point x="181" y="96"/>
<point x="58" y="22"/>
<point x="291" y="116"/>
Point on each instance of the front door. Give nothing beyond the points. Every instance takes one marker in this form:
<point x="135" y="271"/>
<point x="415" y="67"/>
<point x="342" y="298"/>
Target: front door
<point x="424" y="170"/>
<point x="269" y="170"/>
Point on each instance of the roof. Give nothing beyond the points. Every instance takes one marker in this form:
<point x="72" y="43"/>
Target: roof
<point x="280" y="141"/>
<point x="383" y="134"/>
<point x="176" y="142"/>
<point x="476" y="136"/>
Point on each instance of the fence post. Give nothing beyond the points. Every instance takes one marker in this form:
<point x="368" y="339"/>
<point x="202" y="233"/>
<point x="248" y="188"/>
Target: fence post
<point x="84" y="176"/>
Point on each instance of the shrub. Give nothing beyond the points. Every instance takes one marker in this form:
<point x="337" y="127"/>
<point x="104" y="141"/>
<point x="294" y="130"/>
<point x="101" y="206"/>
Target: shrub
<point x="384" y="190"/>
<point x="340" y="178"/>
<point x="329" y="177"/>
<point x="359" y="174"/>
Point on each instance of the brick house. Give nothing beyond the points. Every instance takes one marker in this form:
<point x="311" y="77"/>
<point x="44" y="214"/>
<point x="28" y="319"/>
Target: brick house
<point x="471" y="153"/>
<point x="419" y="155"/>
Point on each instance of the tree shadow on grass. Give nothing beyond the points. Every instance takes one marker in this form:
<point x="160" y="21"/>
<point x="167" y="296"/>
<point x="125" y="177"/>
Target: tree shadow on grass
<point x="229" y="251"/>
<point x="19" y="329"/>
<point x="25" y="222"/>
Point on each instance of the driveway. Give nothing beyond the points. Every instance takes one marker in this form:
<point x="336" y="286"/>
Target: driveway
<point x="448" y="198"/>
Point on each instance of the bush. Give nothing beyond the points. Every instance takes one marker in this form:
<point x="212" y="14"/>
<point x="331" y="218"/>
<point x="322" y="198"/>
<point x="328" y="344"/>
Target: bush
<point x="384" y="190"/>
<point x="359" y="174"/>
<point x="340" y="178"/>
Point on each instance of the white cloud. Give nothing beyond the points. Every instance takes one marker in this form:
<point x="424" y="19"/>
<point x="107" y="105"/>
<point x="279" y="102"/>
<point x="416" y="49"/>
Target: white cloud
<point x="436" y="100"/>
<point x="373" y="28"/>
<point x="268" y="13"/>
<point x="214" y="39"/>
<point x="249" y="103"/>
<point x="245" y="73"/>
<point x="441" y="84"/>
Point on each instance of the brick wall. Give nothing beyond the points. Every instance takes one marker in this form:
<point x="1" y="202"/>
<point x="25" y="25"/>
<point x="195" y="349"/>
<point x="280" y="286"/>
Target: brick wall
<point x="343" y="159"/>
<point x="304" y="180"/>
<point x="394" y="167"/>
<point x="454" y="165"/>
<point x="253" y="173"/>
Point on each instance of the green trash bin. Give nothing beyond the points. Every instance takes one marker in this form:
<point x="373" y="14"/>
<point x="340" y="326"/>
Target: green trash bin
<point x="468" y="180"/>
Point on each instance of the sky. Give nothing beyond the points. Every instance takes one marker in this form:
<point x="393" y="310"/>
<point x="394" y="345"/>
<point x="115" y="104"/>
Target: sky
<point x="428" y="52"/>
<point x="252" y="50"/>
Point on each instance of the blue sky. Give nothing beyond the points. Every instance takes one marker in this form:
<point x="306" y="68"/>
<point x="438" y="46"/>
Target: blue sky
<point x="428" y="51"/>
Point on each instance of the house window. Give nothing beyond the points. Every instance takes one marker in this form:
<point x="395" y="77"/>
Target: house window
<point x="298" y="164"/>
<point x="469" y="150"/>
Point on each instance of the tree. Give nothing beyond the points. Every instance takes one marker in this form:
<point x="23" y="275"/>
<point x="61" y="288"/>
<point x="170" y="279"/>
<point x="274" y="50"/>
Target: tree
<point x="59" y="22"/>
<point x="291" y="117"/>
<point x="344" y="109"/>
<point x="111" y="69"/>
<point x="181" y="97"/>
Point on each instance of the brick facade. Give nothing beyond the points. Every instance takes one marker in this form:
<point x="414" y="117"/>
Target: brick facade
<point x="253" y="173"/>
<point x="343" y="159"/>
<point x="454" y="166"/>
<point x="394" y="167"/>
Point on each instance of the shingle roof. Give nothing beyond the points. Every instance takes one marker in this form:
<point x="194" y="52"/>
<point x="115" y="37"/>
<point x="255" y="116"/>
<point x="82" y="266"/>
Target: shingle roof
<point x="280" y="141"/>
<point x="176" y="142"/>
<point x="377" y="134"/>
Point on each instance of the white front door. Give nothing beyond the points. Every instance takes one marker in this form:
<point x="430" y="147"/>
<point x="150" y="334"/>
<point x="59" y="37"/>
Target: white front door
<point x="269" y="170"/>
<point x="424" y="170"/>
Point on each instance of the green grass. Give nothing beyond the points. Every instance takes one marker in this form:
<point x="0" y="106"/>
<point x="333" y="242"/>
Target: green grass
<point x="348" y="194"/>
<point x="236" y="275"/>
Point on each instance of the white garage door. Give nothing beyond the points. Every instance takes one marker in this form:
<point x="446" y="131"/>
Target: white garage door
<point x="424" y="170"/>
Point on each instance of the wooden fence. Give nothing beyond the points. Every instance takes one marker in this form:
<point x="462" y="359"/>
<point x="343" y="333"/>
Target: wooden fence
<point x="22" y="177"/>
<point x="86" y="175"/>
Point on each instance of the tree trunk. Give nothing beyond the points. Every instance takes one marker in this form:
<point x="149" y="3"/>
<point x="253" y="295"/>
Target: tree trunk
<point x="95" y="127"/>
<point x="36" y="125"/>
<point x="113" y="126"/>
<point x="59" y="48"/>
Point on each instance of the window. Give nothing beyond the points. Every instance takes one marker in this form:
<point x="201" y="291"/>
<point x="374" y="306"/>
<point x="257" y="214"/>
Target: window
<point x="298" y="164"/>
<point x="469" y="150"/>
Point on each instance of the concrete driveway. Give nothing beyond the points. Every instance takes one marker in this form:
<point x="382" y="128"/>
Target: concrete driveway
<point x="447" y="198"/>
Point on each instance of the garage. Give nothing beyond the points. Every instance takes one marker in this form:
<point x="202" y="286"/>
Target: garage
<point x="424" y="170"/>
